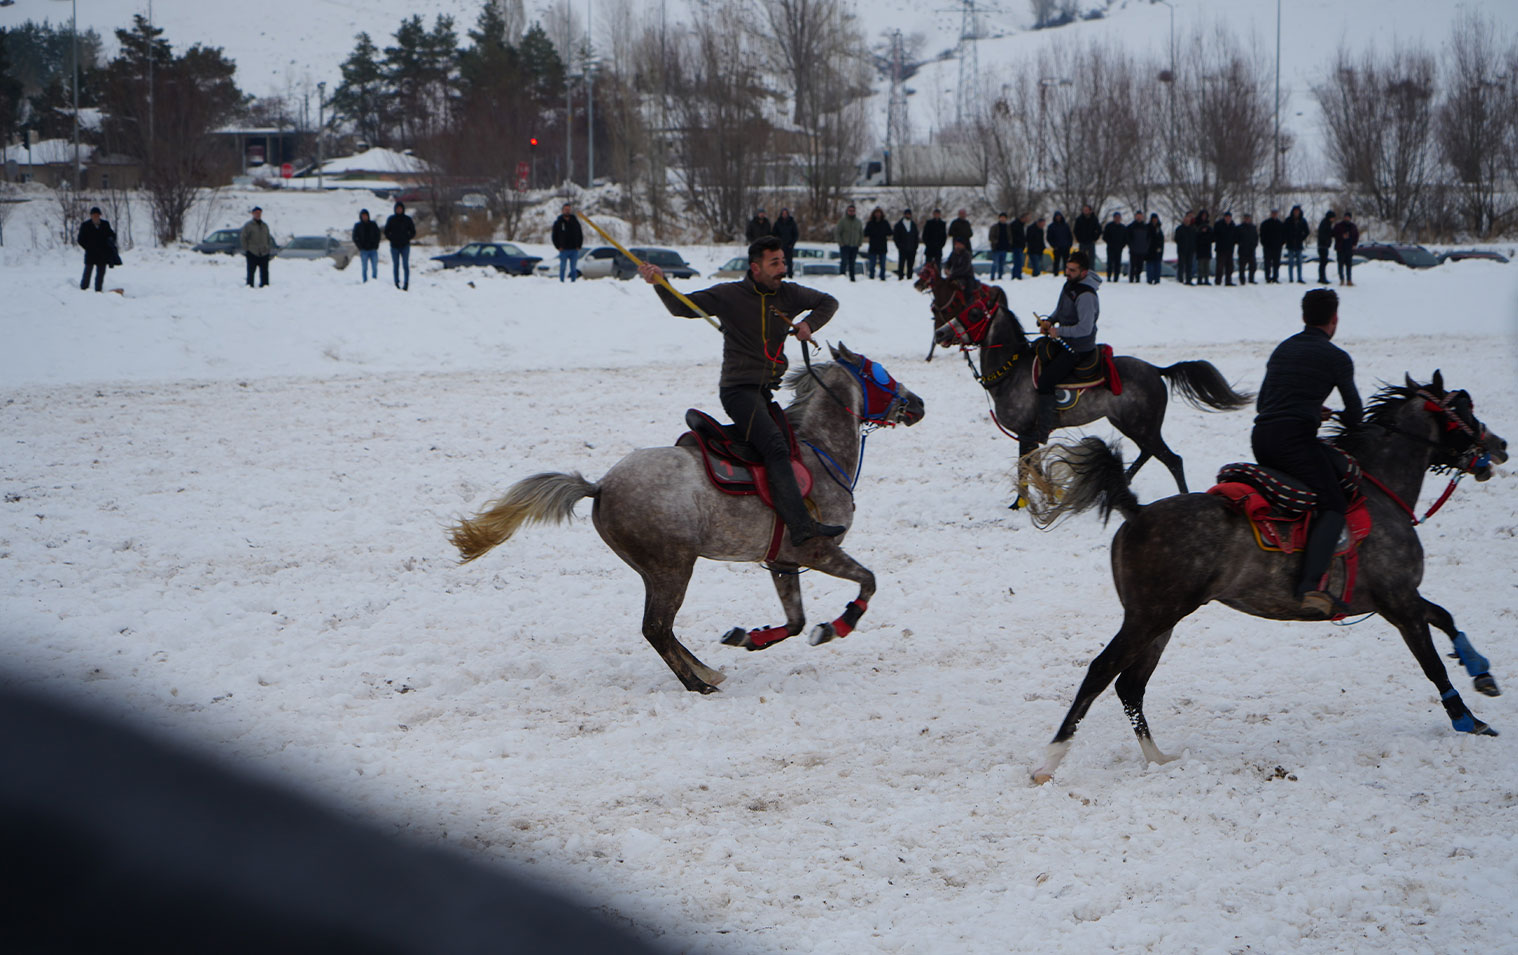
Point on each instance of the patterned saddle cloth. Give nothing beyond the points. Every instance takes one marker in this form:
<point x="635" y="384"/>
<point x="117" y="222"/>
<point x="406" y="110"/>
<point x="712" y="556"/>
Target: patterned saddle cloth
<point x="734" y="466"/>
<point x="1099" y="369"/>
<point x="1280" y="507"/>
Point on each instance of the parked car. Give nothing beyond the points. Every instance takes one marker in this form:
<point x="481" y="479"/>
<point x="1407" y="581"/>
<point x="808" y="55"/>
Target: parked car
<point x="1412" y="256"/>
<point x="734" y="268"/>
<point x="225" y="241"/>
<point x="340" y="251"/>
<point x="605" y="261"/>
<point x="1460" y="255"/>
<point x="501" y="256"/>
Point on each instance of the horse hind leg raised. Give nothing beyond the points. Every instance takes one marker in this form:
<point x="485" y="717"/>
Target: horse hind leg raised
<point x="1475" y="664"/>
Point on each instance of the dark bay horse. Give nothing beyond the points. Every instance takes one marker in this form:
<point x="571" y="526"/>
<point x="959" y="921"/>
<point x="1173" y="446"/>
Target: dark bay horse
<point x="1006" y="372"/>
<point x="1176" y="554"/>
<point x="658" y="511"/>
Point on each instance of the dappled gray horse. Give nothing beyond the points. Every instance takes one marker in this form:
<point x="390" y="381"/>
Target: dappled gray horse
<point x="658" y="511"/>
<point x="1006" y="372"/>
<point x="1175" y="554"/>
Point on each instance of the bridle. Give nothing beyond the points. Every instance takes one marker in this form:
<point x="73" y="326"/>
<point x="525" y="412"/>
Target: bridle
<point x="1474" y="457"/>
<point x="882" y="394"/>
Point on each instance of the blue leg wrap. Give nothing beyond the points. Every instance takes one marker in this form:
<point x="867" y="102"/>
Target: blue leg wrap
<point x="1475" y="664"/>
<point x="1465" y="722"/>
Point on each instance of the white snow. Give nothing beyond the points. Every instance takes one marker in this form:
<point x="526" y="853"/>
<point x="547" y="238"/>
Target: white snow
<point x="224" y="517"/>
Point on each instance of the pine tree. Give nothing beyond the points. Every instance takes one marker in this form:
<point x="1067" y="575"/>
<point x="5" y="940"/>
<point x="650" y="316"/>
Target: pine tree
<point x="363" y="98"/>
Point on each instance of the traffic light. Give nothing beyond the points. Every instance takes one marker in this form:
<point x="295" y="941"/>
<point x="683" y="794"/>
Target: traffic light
<point x="533" y="142"/>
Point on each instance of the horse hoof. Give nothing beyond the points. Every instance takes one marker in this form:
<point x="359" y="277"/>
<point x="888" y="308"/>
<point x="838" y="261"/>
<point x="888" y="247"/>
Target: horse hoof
<point x="821" y="634"/>
<point x="1483" y="730"/>
<point x="735" y="637"/>
<point x="754" y="639"/>
<point x="1040" y="777"/>
<point x="1485" y="684"/>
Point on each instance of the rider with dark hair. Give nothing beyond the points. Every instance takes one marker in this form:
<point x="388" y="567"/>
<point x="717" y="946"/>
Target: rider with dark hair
<point x="1298" y="378"/>
<point x="960" y="267"/>
<point x="755" y="314"/>
<point x="1070" y="338"/>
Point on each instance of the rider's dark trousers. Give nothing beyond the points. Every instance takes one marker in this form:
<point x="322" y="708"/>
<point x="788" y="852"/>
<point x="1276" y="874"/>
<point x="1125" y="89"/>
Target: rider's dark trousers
<point x="1293" y="446"/>
<point x="748" y="407"/>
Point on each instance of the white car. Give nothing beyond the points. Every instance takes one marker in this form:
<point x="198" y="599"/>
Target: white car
<point x="340" y="251"/>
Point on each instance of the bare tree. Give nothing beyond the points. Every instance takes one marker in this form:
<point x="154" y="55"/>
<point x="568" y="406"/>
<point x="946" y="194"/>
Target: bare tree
<point x="1091" y="140"/>
<point x="1476" y="122"/>
<point x="1376" y="115"/>
<point x="1005" y="138"/>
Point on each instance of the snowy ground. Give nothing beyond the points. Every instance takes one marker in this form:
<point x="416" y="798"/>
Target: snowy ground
<point x="224" y="516"/>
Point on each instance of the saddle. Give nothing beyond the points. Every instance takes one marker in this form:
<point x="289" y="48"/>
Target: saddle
<point x="1097" y="370"/>
<point x="1280" y="509"/>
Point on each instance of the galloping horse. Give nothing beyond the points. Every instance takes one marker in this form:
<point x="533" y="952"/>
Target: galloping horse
<point x="1007" y="375"/>
<point x="657" y="509"/>
<point x="1176" y="554"/>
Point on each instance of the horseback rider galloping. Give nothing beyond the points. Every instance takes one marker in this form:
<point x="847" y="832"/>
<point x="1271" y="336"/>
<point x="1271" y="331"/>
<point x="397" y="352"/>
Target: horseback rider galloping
<point x="1070" y="340"/>
<point x="756" y="317"/>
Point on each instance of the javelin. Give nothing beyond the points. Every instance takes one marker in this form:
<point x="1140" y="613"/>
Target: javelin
<point x="662" y="280"/>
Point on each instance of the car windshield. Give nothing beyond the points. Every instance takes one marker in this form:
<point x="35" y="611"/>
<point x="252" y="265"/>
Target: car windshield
<point x="506" y="248"/>
<point x="810" y="254"/>
<point x="308" y="242"/>
<point x="1417" y="255"/>
<point x="471" y="251"/>
<point x="663" y="258"/>
<point x="738" y="263"/>
<point x="228" y="236"/>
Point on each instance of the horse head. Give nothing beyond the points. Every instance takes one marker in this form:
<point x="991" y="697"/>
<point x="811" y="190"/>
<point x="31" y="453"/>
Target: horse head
<point x="886" y="401"/>
<point x="1464" y="443"/>
<point x="927" y="277"/>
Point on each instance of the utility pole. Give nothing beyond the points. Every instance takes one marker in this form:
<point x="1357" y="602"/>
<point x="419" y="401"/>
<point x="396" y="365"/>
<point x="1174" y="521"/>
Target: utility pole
<point x="74" y="36"/>
<point x="1275" y="159"/>
<point x="321" y="125"/>
<point x="590" y="99"/>
<point x="150" y="85"/>
<point x="569" y="103"/>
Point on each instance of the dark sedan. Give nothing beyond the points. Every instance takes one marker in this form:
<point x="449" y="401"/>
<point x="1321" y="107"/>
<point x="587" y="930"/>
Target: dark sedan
<point x="225" y="241"/>
<point x="1460" y="255"/>
<point x="501" y="256"/>
<point x="1412" y="256"/>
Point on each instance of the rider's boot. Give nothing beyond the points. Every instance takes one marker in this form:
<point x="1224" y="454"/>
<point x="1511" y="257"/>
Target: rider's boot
<point x="1321" y="541"/>
<point x="792" y="509"/>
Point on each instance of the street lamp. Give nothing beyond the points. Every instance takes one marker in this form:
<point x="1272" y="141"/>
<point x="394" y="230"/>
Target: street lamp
<point x="1172" y="36"/>
<point x="1043" y="84"/>
<point x="321" y="124"/>
<point x="74" y="42"/>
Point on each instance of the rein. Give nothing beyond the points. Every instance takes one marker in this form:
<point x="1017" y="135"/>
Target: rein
<point x="1412" y="514"/>
<point x="1453" y="422"/>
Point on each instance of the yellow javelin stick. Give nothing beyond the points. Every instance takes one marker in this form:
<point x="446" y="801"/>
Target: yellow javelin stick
<point x="664" y="281"/>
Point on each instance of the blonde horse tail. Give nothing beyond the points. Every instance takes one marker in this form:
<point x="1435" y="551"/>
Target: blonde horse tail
<point x="542" y="498"/>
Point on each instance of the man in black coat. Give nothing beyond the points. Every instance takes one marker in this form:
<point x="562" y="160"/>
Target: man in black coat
<point x="399" y="231"/>
<point x="999" y="240"/>
<point x="961" y="228"/>
<point x="98" y="240"/>
<point x="1272" y="240"/>
<point x="1035" y="246"/>
<point x="366" y="238"/>
<point x="906" y="236"/>
<point x="935" y="233"/>
<point x="1017" y="232"/>
<point x="1224" y="238"/>
<point x="1116" y="236"/>
<point x="568" y="239"/>
<point x="789" y="233"/>
<point x="758" y="227"/>
<point x="1060" y="239"/>
<point x="1185" y="250"/>
<point x="1325" y="242"/>
<point x="1087" y="230"/>
<point x="1248" y="237"/>
<point x="1138" y="246"/>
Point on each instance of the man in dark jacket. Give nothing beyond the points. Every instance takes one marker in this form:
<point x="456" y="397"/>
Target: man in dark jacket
<point x="1017" y="230"/>
<point x="1116" y="237"/>
<point x="1071" y="333"/>
<point x="935" y="233"/>
<point x="789" y="233"/>
<point x="1325" y="243"/>
<point x="1204" y="247"/>
<point x="960" y="228"/>
<point x="399" y="231"/>
<point x="1138" y="246"/>
<point x="1248" y="237"/>
<point x="1346" y="237"/>
<point x="1185" y="250"/>
<point x="906" y="236"/>
<point x="1035" y="246"/>
<point x="1272" y="240"/>
<point x="1224" y="239"/>
<point x="849" y="233"/>
<point x="1060" y="239"/>
<point x="568" y="239"/>
<point x="366" y="238"/>
<point x="1087" y="230"/>
<point x="756" y="315"/>
<point x="877" y="234"/>
<point x="98" y="240"/>
<point x="758" y="227"/>
<point x="1298" y="378"/>
<point x="999" y="240"/>
<point x="1297" y="232"/>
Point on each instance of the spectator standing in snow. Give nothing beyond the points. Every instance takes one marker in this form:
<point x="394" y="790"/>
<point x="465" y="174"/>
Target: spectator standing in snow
<point x="906" y="236"/>
<point x="1185" y="250"/>
<point x="1272" y="240"/>
<point x="1138" y="246"/>
<point x="399" y="231"/>
<point x="366" y="238"/>
<point x="1204" y="248"/>
<point x="1346" y="237"/>
<point x="878" y="232"/>
<point x="789" y="233"/>
<point x="1325" y="242"/>
<point x="1116" y="237"/>
<point x="1224" y="239"/>
<point x="1248" y="238"/>
<point x="98" y="240"/>
<point x="1297" y="232"/>
<point x="849" y="234"/>
<point x="1035" y="246"/>
<point x="257" y="246"/>
<point x="1155" y="258"/>
<point x="960" y="228"/>
<point x="935" y="234"/>
<point x="567" y="238"/>
<point x="1087" y="230"/>
<point x="1060" y="240"/>
<point x="1000" y="242"/>
<point x="758" y="227"/>
<point x="1019" y="233"/>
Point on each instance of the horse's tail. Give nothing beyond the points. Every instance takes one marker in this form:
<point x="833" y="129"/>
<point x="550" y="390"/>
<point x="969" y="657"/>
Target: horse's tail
<point x="542" y="498"/>
<point x="1201" y="384"/>
<point x="1071" y="478"/>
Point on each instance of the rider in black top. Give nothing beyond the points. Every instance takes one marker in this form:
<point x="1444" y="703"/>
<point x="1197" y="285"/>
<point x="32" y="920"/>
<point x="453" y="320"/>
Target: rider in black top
<point x="1298" y="378"/>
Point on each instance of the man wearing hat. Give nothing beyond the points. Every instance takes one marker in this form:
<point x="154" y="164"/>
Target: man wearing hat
<point x="758" y="227"/>
<point x="257" y="246"/>
<point x="98" y="240"/>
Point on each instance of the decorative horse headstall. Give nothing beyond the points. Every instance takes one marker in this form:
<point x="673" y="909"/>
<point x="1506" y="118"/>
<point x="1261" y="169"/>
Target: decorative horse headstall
<point x="1474" y="454"/>
<point x="882" y="395"/>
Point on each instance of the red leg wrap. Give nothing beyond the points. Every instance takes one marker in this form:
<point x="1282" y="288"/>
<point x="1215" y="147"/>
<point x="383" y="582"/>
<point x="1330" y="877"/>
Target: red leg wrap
<point x="767" y="635"/>
<point x="844" y="625"/>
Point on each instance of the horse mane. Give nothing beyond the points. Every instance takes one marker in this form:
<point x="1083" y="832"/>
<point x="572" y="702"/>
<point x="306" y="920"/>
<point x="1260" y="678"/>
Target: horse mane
<point x="806" y="390"/>
<point x="1379" y="412"/>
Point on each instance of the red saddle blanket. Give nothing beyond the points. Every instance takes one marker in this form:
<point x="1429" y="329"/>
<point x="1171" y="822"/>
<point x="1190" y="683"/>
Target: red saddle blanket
<point x="734" y="466"/>
<point x="1286" y="531"/>
<point x="1101" y="369"/>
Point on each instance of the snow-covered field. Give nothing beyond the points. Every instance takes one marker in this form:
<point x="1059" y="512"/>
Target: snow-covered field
<point x="224" y="515"/>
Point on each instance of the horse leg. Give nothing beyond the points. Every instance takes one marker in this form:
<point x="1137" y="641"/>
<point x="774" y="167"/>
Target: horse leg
<point x="1132" y="647"/>
<point x="1130" y="689"/>
<point x="1151" y="444"/>
<point x="1410" y="617"/>
<point x="664" y="592"/>
<point x="835" y="563"/>
<point x="788" y="586"/>
<point x="1475" y="664"/>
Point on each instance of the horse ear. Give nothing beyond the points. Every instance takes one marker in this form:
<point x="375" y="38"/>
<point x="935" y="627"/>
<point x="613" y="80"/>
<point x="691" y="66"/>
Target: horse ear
<point x="1411" y="385"/>
<point x="1438" y="380"/>
<point x="842" y="353"/>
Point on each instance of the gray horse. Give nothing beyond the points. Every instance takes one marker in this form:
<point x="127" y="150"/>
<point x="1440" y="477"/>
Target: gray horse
<point x="658" y="511"/>
<point x="1176" y="554"/>
<point x="1006" y="359"/>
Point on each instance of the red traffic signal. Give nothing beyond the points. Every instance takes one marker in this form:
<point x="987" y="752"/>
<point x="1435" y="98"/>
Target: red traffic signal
<point x="533" y="142"/>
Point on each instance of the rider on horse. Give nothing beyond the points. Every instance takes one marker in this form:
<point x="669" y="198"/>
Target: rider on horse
<point x="756" y="317"/>
<point x="960" y="267"/>
<point x="1070" y="340"/>
<point x="1301" y="372"/>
